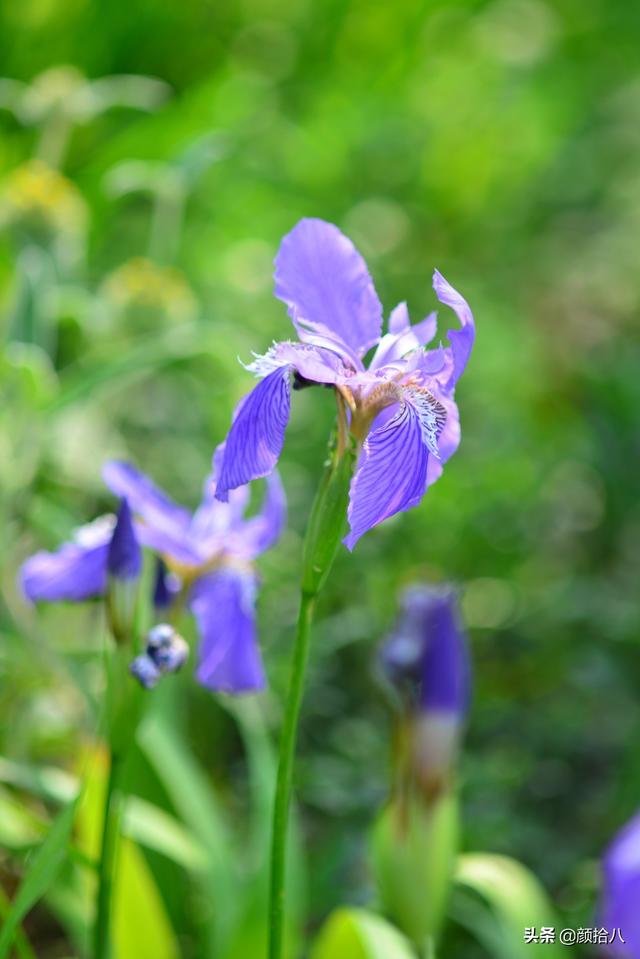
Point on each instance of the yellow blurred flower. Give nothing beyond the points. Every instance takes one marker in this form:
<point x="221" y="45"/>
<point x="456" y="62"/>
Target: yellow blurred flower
<point x="42" y="203"/>
<point x="149" y="289"/>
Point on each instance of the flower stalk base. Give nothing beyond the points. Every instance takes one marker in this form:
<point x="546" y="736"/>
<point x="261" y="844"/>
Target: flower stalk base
<point x="324" y="532"/>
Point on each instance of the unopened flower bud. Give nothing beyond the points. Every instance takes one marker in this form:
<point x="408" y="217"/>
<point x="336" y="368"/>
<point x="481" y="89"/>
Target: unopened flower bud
<point x="145" y="671"/>
<point x="124" y="559"/>
<point x="413" y="850"/>
<point x="124" y="565"/>
<point x="166" y="648"/>
<point x="165" y="652"/>
<point x="426" y="661"/>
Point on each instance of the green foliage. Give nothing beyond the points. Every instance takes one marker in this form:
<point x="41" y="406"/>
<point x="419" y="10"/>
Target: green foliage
<point x="413" y="850"/>
<point x="40" y="873"/>
<point x="358" y="934"/>
<point x="511" y="900"/>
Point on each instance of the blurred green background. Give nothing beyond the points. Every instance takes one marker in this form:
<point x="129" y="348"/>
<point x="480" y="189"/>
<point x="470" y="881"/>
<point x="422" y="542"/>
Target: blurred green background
<point x="498" y="141"/>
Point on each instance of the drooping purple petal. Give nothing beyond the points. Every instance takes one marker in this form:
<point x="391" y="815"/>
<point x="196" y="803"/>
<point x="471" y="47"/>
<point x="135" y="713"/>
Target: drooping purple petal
<point x="73" y="573"/>
<point x="621" y="891"/>
<point x="448" y="439"/>
<point x="124" y="559"/>
<point x="256" y="437"/>
<point x="461" y="340"/>
<point x="157" y="511"/>
<point x="223" y="604"/>
<point x="258" y="533"/>
<point x="391" y="474"/>
<point x="324" y="281"/>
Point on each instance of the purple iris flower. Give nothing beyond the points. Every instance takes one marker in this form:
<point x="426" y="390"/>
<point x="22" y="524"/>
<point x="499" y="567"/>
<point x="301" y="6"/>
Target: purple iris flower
<point x="207" y="556"/>
<point x="210" y="553"/>
<point x="620" y="905"/>
<point x="426" y="659"/>
<point x="80" y="569"/>
<point x="401" y="408"/>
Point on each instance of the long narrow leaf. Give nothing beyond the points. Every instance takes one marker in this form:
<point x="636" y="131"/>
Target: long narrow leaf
<point x="511" y="900"/>
<point x="40" y="874"/>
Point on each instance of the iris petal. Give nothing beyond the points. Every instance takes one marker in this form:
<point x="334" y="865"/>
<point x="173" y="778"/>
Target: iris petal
<point x="325" y="283"/>
<point x="461" y="340"/>
<point x="402" y="337"/>
<point x="73" y="573"/>
<point x="224" y="607"/>
<point x="391" y="474"/>
<point x="145" y="499"/>
<point x="256" y="436"/>
<point x="259" y="533"/>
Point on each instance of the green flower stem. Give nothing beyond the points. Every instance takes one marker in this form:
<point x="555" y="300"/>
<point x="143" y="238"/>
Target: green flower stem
<point x="324" y="532"/>
<point x="285" y="775"/>
<point x="124" y="702"/>
<point x="106" y="866"/>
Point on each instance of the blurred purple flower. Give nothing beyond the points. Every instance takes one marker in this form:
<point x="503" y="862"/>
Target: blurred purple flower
<point x="207" y="556"/>
<point x="401" y="409"/>
<point x="426" y="655"/>
<point x="211" y="554"/>
<point x="426" y="659"/>
<point x="80" y="570"/>
<point x="620" y="903"/>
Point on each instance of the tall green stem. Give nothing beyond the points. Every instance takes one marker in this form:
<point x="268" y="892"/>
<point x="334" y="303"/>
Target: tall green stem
<point x="324" y="532"/>
<point x="285" y="775"/>
<point x="106" y="865"/>
<point x="124" y="702"/>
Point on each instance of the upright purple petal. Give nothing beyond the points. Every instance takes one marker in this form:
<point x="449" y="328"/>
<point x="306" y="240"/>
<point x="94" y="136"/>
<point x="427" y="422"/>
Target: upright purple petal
<point x="461" y="340"/>
<point x="145" y="499"/>
<point x="324" y="281"/>
<point x="402" y="338"/>
<point x="73" y="573"/>
<point x="621" y="891"/>
<point x="256" y="437"/>
<point x="223" y="604"/>
<point x="399" y="319"/>
<point x="391" y="474"/>
<point x="213" y="521"/>
<point x="124" y="560"/>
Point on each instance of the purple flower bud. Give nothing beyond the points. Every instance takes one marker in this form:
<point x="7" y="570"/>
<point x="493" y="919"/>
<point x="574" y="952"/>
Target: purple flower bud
<point x="145" y="671"/>
<point x="124" y="559"/>
<point x="619" y="910"/>
<point x="426" y="656"/>
<point x="426" y="660"/>
<point x="166" y="648"/>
